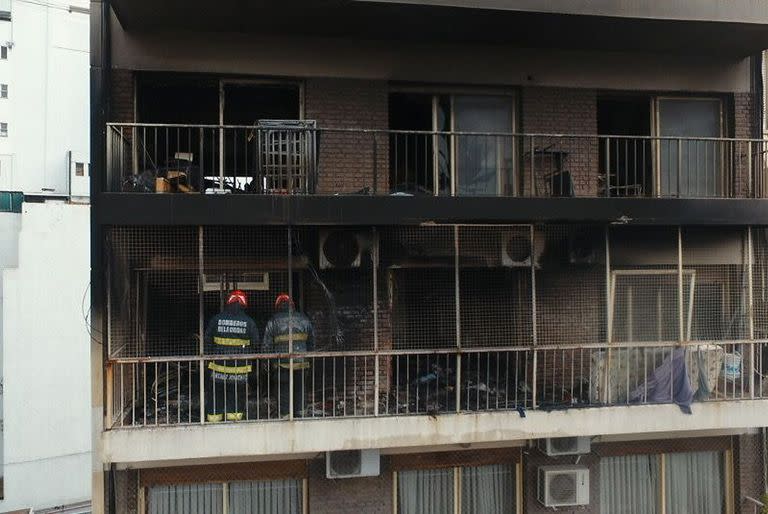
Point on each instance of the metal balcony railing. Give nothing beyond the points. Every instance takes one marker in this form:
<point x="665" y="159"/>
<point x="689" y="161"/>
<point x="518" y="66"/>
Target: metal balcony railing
<point x="179" y="390"/>
<point x="297" y="157"/>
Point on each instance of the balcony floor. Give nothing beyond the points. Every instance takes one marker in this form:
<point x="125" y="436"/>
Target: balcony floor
<point x="269" y="440"/>
<point x="181" y="209"/>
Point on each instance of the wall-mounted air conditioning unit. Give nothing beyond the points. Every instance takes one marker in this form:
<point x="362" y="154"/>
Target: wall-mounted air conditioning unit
<point x="352" y="464"/>
<point x="344" y="248"/>
<point x="517" y="251"/>
<point x="557" y="446"/>
<point x="563" y="486"/>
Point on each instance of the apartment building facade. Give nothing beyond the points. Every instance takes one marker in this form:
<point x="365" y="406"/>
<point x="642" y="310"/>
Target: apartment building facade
<point x="529" y="239"/>
<point x="44" y="267"/>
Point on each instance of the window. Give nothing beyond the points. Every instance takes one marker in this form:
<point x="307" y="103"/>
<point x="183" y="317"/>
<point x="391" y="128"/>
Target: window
<point x="79" y="169"/>
<point x="487" y="489"/>
<point x="242" y="497"/>
<point x="690" y="167"/>
<point x="3" y="52"/>
<point x="444" y="164"/>
<point x="3" y="130"/>
<point x="3" y="90"/>
<point x="693" y="482"/>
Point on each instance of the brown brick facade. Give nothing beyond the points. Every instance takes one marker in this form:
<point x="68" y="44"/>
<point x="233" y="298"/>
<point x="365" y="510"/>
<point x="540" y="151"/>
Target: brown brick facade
<point x="350" y="162"/>
<point x="122" y="96"/>
<point x="372" y="495"/>
<point x="560" y="111"/>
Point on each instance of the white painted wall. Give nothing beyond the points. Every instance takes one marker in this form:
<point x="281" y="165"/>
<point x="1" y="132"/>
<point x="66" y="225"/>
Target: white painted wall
<point x="47" y="73"/>
<point x="46" y="357"/>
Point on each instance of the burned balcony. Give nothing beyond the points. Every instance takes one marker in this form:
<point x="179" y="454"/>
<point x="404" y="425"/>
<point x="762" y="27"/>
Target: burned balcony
<point x="438" y="319"/>
<point x="285" y="157"/>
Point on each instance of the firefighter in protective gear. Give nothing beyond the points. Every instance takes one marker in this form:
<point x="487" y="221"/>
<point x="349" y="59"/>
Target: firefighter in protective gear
<point x="230" y="332"/>
<point x="288" y="325"/>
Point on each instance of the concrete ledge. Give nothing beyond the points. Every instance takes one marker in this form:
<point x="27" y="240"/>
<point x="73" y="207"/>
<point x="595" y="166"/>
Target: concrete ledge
<point x="264" y="439"/>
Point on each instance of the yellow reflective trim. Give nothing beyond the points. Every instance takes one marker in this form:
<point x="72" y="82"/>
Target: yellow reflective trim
<point x="297" y="336"/>
<point x="229" y="370"/>
<point x="234" y="416"/>
<point x="214" y="418"/>
<point x="231" y="341"/>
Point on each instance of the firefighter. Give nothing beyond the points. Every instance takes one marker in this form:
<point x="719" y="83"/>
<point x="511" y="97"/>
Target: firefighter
<point x="231" y="331"/>
<point x="287" y="323"/>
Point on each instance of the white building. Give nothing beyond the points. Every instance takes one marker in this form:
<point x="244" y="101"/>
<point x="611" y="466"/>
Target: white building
<point x="44" y="254"/>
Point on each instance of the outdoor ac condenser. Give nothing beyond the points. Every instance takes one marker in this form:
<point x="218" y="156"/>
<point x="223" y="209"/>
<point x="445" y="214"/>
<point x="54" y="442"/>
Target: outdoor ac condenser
<point x="557" y="446"/>
<point x="516" y="248"/>
<point x="352" y="463"/>
<point x="563" y="486"/>
<point x="344" y="248"/>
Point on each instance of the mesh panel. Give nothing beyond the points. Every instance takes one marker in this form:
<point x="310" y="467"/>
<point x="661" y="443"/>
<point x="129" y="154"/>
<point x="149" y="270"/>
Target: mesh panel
<point x="419" y="263"/>
<point x="403" y="323"/>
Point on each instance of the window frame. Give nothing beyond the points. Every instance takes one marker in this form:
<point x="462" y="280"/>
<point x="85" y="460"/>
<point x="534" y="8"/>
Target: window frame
<point x="456" y="461"/>
<point x="512" y="183"/>
<point x="224" y="474"/>
<point x="661" y="448"/>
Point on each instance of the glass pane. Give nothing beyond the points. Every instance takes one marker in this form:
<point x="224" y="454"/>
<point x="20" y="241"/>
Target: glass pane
<point x="694" y="483"/>
<point x="186" y="499"/>
<point x="484" y="162"/>
<point x="488" y="489"/>
<point x="629" y="484"/>
<point x="265" y="497"/>
<point x="690" y="167"/>
<point x="427" y="491"/>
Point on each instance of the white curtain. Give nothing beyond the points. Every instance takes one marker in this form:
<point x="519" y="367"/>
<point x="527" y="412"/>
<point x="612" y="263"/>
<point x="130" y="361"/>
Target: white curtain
<point x="694" y="483"/>
<point x="428" y="491"/>
<point x="266" y="497"/>
<point x="488" y="489"/>
<point x="629" y="484"/>
<point x="186" y="499"/>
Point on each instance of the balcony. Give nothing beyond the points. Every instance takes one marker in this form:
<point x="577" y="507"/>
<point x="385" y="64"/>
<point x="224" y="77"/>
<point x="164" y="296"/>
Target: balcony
<point x="437" y="321"/>
<point x="299" y="158"/>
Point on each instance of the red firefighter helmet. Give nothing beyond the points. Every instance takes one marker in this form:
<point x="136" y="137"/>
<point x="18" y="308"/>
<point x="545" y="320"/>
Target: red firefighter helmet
<point x="239" y="297"/>
<point x="281" y="299"/>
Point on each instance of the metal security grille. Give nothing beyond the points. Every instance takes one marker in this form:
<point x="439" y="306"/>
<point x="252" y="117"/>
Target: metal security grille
<point x="435" y="319"/>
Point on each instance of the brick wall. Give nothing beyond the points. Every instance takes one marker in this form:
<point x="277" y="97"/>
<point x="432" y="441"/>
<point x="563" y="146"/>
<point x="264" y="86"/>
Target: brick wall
<point x="348" y="161"/>
<point x="372" y="495"/>
<point x="121" y="96"/>
<point x="749" y="471"/>
<point x="561" y="111"/>
<point x="743" y="127"/>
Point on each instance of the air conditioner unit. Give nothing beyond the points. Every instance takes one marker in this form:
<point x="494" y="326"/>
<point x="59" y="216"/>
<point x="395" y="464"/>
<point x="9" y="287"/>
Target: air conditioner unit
<point x="352" y="464"/>
<point x="343" y="248"/>
<point x="556" y="446"/>
<point x="563" y="486"/>
<point x="516" y="251"/>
